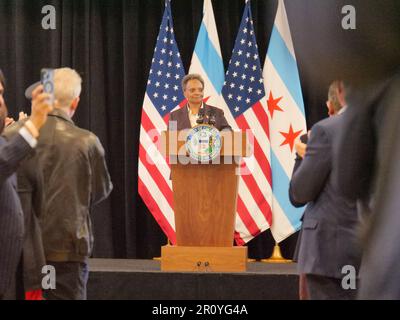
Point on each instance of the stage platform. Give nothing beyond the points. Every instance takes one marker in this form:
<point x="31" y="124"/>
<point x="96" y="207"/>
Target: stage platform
<point x="112" y="279"/>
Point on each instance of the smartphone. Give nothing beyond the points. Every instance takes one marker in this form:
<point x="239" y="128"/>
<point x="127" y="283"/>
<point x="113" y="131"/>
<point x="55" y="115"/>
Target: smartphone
<point x="47" y="80"/>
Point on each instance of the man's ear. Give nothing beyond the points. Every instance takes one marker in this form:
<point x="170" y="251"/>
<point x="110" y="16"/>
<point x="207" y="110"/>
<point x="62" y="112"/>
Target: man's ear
<point x="331" y="110"/>
<point x="75" y="103"/>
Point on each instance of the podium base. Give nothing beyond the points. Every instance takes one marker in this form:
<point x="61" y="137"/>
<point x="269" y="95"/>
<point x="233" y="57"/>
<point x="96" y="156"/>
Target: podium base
<point x="204" y="259"/>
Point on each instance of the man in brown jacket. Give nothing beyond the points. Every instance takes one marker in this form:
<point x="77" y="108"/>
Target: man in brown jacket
<point x="75" y="177"/>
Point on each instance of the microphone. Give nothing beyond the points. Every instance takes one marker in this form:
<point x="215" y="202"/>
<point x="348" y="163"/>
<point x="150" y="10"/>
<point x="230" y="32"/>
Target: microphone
<point x="200" y="116"/>
<point x="211" y="118"/>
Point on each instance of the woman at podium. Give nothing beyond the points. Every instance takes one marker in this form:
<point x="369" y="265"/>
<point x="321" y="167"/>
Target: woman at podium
<point x="196" y="111"/>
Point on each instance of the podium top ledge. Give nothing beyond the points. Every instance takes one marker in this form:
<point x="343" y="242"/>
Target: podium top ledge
<point x="234" y="143"/>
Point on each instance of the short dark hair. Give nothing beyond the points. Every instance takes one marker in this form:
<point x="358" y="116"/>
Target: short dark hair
<point x="192" y="76"/>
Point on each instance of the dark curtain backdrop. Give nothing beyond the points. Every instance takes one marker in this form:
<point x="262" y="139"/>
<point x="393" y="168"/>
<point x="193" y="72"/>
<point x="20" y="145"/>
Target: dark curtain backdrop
<point x="111" y="42"/>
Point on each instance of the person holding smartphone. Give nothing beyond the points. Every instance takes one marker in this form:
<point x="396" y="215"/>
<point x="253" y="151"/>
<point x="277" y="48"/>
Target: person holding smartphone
<point x="12" y="153"/>
<point x="74" y="178"/>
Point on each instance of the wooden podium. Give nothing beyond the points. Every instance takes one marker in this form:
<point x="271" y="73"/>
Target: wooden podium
<point x="205" y="196"/>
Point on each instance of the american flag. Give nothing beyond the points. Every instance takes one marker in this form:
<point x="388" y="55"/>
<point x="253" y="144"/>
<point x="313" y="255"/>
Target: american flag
<point x="244" y="94"/>
<point x="163" y="94"/>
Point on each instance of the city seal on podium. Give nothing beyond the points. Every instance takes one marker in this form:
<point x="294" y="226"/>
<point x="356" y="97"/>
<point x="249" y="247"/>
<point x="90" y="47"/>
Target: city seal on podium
<point x="203" y="143"/>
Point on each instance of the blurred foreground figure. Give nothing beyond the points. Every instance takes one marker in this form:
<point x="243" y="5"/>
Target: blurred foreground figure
<point x="368" y="169"/>
<point x="328" y="50"/>
<point x="366" y="162"/>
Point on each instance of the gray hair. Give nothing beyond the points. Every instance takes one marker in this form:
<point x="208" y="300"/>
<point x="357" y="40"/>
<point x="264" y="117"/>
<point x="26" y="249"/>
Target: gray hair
<point x="67" y="86"/>
<point x="192" y="76"/>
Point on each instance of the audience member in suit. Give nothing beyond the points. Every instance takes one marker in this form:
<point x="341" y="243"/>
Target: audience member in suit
<point x="328" y="237"/>
<point x="301" y="147"/>
<point x="333" y="105"/>
<point x="368" y="158"/>
<point x="30" y="187"/>
<point x="188" y="116"/>
<point x="12" y="152"/>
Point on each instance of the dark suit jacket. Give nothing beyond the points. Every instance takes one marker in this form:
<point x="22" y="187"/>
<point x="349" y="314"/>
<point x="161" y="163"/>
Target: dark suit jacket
<point x="30" y="187"/>
<point x="368" y="168"/>
<point x="328" y="238"/>
<point x="29" y="191"/>
<point x="11" y="216"/>
<point x="355" y="149"/>
<point x="297" y="163"/>
<point x="181" y="116"/>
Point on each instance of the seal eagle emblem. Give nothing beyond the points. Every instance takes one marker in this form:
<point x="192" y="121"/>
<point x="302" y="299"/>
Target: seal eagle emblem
<point x="203" y="143"/>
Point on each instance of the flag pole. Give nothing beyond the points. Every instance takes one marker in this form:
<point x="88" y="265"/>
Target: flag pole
<point x="276" y="256"/>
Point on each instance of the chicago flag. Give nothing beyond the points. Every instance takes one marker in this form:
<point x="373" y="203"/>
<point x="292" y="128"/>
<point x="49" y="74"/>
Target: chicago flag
<point x="287" y="122"/>
<point x="207" y="59"/>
